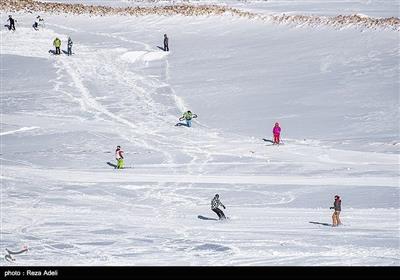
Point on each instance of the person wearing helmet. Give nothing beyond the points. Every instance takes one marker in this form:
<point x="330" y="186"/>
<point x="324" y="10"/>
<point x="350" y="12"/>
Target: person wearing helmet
<point x="119" y="156"/>
<point x="215" y="203"/>
<point x="166" y="48"/>
<point x="276" y="132"/>
<point x="188" y="116"/>
<point x="337" y="206"/>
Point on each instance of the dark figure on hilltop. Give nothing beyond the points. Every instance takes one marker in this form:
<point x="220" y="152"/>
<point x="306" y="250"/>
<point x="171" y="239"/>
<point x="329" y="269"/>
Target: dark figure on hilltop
<point x="166" y="48"/>
<point x="12" y="23"/>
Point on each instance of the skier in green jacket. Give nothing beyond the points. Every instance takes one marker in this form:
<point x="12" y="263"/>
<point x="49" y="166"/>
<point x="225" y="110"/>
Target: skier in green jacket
<point x="188" y="116"/>
<point x="57" y="44"/>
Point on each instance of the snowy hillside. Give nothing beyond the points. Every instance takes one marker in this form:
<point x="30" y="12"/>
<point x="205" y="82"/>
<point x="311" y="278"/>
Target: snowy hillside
<point x="335" y="92"/>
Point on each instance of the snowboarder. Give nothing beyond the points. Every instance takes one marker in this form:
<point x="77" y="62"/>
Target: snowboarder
<point x="69" y="46"/>
<point x="12" y="23"/>
<point x="188" y="116"/>
<point x="119" y="156"/>
<point x="337" y="206"/>
<point x="215" y="202"/>
<point x="57" y="44"/>
<point x="166" y="48"/>
<point x="37" y="22"/>
<point x="277" y="132"/>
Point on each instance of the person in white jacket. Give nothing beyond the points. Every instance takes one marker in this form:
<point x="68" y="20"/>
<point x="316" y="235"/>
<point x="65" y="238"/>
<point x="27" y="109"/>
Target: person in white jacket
<point x="215" y="203"/>
<point x="38" y="21"/>
<point x="69" y="46"/>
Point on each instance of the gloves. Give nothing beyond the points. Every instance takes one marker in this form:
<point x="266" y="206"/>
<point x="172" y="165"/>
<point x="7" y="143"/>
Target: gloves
<point x="224" y="207"/>
<point x="331" y="207"/>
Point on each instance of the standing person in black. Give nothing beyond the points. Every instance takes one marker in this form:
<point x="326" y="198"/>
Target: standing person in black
<point x="166" y="48"/>
<point x="12" y="23"/>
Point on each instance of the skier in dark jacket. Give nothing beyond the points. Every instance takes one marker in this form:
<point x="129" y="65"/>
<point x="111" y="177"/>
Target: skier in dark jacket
<point x="215" y="202"/>
<point x="12" y="23"/>
<point x="166" y="48"/>
<point x="337" y="206"/>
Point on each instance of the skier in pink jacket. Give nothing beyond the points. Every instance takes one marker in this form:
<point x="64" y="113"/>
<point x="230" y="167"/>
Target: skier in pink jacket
<point x="277" y="132"/>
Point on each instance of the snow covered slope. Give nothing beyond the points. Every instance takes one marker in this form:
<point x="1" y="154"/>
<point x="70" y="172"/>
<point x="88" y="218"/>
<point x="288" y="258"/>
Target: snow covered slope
<point x="335" y="93"/>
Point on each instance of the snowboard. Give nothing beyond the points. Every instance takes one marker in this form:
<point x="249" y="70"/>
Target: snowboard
<point x="115" y="166"/>
<point x="211" y="219"/>
<point x="9" y="256"/>
<point x="323" y="224"/>
<point x="272" y="142"/>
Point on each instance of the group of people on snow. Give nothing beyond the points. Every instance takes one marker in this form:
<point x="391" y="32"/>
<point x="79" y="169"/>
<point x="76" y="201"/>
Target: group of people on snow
<point x="337" y="207"/>
<point x="38" y="21"/>
<point x="57" y="42"/>
<point x="215" y="202"/>
<point x="57" y="45"/>
<point x="187" y="116"/>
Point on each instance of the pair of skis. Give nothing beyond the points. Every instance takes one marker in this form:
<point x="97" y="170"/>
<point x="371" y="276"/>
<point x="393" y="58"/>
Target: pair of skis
<point x="116" y="166"/>
<point x="9" y="255"/>
<point x="273" y="143"/>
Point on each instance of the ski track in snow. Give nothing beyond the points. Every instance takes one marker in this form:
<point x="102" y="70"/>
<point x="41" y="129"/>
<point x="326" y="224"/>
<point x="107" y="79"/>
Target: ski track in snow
<point x="64" y="216"/>
<point x="18" y="130"/>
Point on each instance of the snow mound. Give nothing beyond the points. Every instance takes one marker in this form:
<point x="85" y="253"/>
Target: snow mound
<point x="146" y="56"/>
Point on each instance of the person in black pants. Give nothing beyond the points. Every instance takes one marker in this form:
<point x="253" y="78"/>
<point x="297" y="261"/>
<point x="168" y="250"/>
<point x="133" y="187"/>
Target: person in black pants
<point x="166" y="48"/>
<point x="215" y="202"/>
<point x="12" y="23"/>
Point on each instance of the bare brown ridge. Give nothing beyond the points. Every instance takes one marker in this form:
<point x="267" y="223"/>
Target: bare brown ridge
<point x="340" y="21"/>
